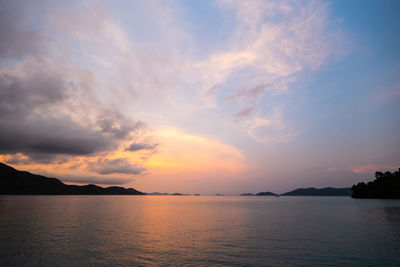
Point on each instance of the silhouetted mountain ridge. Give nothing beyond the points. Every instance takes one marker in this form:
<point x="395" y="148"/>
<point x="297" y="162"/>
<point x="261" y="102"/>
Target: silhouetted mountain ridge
<point x="15" y="182"/>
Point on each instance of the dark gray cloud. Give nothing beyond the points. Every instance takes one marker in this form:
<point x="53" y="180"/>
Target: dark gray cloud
<point x="120" y="166"/>
<point x="141" y="146"/>
<point x="33" y="118"/>
<point x="30" y="98"/>
<point x="113" y="123"/>
<point x="38" y="136"/>
<point x="29" y="87"/>
<point x="48" y="106"/>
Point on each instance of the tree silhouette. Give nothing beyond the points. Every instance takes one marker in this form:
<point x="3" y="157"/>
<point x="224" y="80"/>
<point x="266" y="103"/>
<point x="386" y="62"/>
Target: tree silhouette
<point x="386" y="185"/>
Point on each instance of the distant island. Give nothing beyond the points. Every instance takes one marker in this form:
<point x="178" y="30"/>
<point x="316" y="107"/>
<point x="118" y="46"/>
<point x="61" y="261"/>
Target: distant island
<point x="312" y="191"/>
<point x="266" y="194"/>
<point x="14" y="182"/>
<point x="260" y="194"/>
<point x="386" y="185"/>
<point x="247" y="194"/>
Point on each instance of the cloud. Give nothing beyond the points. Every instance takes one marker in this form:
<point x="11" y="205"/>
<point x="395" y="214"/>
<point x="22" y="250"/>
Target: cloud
<point x="249" y="94"/>
<point x="270" y="129"/>
<point x="28" y="86"/>
<point x="30" y="121"/>
<point x="94" y="179"/>
<point x="82" y="178"/>
<point x="50" y="104"/>
<point x="192" y="156"/>
<point x="274" y="45"/>
<point x="85" y="82"/>
<point x="117" y="125"/>
<point x="18" y="38"/>
<point x="244" y="112"/>
<point x="17" y="159"/>
<point x="271" y="46"/>
<point x="141" y="146"/>
<point x="115" y="166"/>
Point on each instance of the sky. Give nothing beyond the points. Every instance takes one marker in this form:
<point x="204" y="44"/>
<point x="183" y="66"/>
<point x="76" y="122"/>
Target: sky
<point x="201" y="96"/>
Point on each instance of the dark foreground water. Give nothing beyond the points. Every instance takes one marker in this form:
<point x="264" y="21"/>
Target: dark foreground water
<point x="198" y="231"/>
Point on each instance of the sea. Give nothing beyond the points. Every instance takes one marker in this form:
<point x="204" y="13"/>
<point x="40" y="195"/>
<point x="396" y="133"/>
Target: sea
<point x="198" y="231"/>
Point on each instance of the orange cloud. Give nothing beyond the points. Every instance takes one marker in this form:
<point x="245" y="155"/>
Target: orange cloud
<point x="102" y="169"/>
<point x="192" y="156"/>
<point x="178" y="156"/>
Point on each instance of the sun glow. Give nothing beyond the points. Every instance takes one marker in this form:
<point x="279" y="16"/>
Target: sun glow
<point x="194" y="156"/>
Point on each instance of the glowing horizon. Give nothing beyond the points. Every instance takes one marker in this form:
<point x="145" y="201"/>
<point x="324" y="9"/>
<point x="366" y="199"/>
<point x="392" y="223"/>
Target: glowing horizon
<point x="201" y="97"/>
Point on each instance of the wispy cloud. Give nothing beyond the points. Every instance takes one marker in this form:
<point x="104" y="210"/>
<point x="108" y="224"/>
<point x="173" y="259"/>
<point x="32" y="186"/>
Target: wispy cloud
<point x="274" y="42"/>
<point x="141" y="146"/>
<point x="53" y="104"/>
<point x="270" y="129"/>
<point x="88" y="84"/>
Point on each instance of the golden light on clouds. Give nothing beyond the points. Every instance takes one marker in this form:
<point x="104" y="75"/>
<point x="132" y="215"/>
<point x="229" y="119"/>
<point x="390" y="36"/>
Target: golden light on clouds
<point x="194" y="156"/>
<point x="144" y="94"/>
<point x="177" y="154"/>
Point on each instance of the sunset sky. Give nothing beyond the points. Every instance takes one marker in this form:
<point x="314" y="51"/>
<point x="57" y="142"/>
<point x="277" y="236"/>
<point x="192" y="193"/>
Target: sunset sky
<point x="201" y="96"/>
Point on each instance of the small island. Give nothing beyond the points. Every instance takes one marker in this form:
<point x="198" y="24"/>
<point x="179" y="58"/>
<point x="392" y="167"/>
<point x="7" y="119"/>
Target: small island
<point x="157" y="194"/>
<point x="385" y="185"/>
<point x="312" y="191"/>
<point x="260" y="194"/>
<point x="266" y="194"/>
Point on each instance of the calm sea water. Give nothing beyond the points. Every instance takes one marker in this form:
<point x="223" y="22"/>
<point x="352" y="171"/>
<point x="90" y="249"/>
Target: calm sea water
<point x="198" y="231"/>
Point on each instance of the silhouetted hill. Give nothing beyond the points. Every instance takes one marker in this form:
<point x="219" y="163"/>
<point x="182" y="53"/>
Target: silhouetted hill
<point x="158" y="194"/>
<point x="266" y="194"/>
<point x="386" y="185"/>
<point x="259" y="194"/>
<point x="14" y="182"/>
<point x="311" y="191"/>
